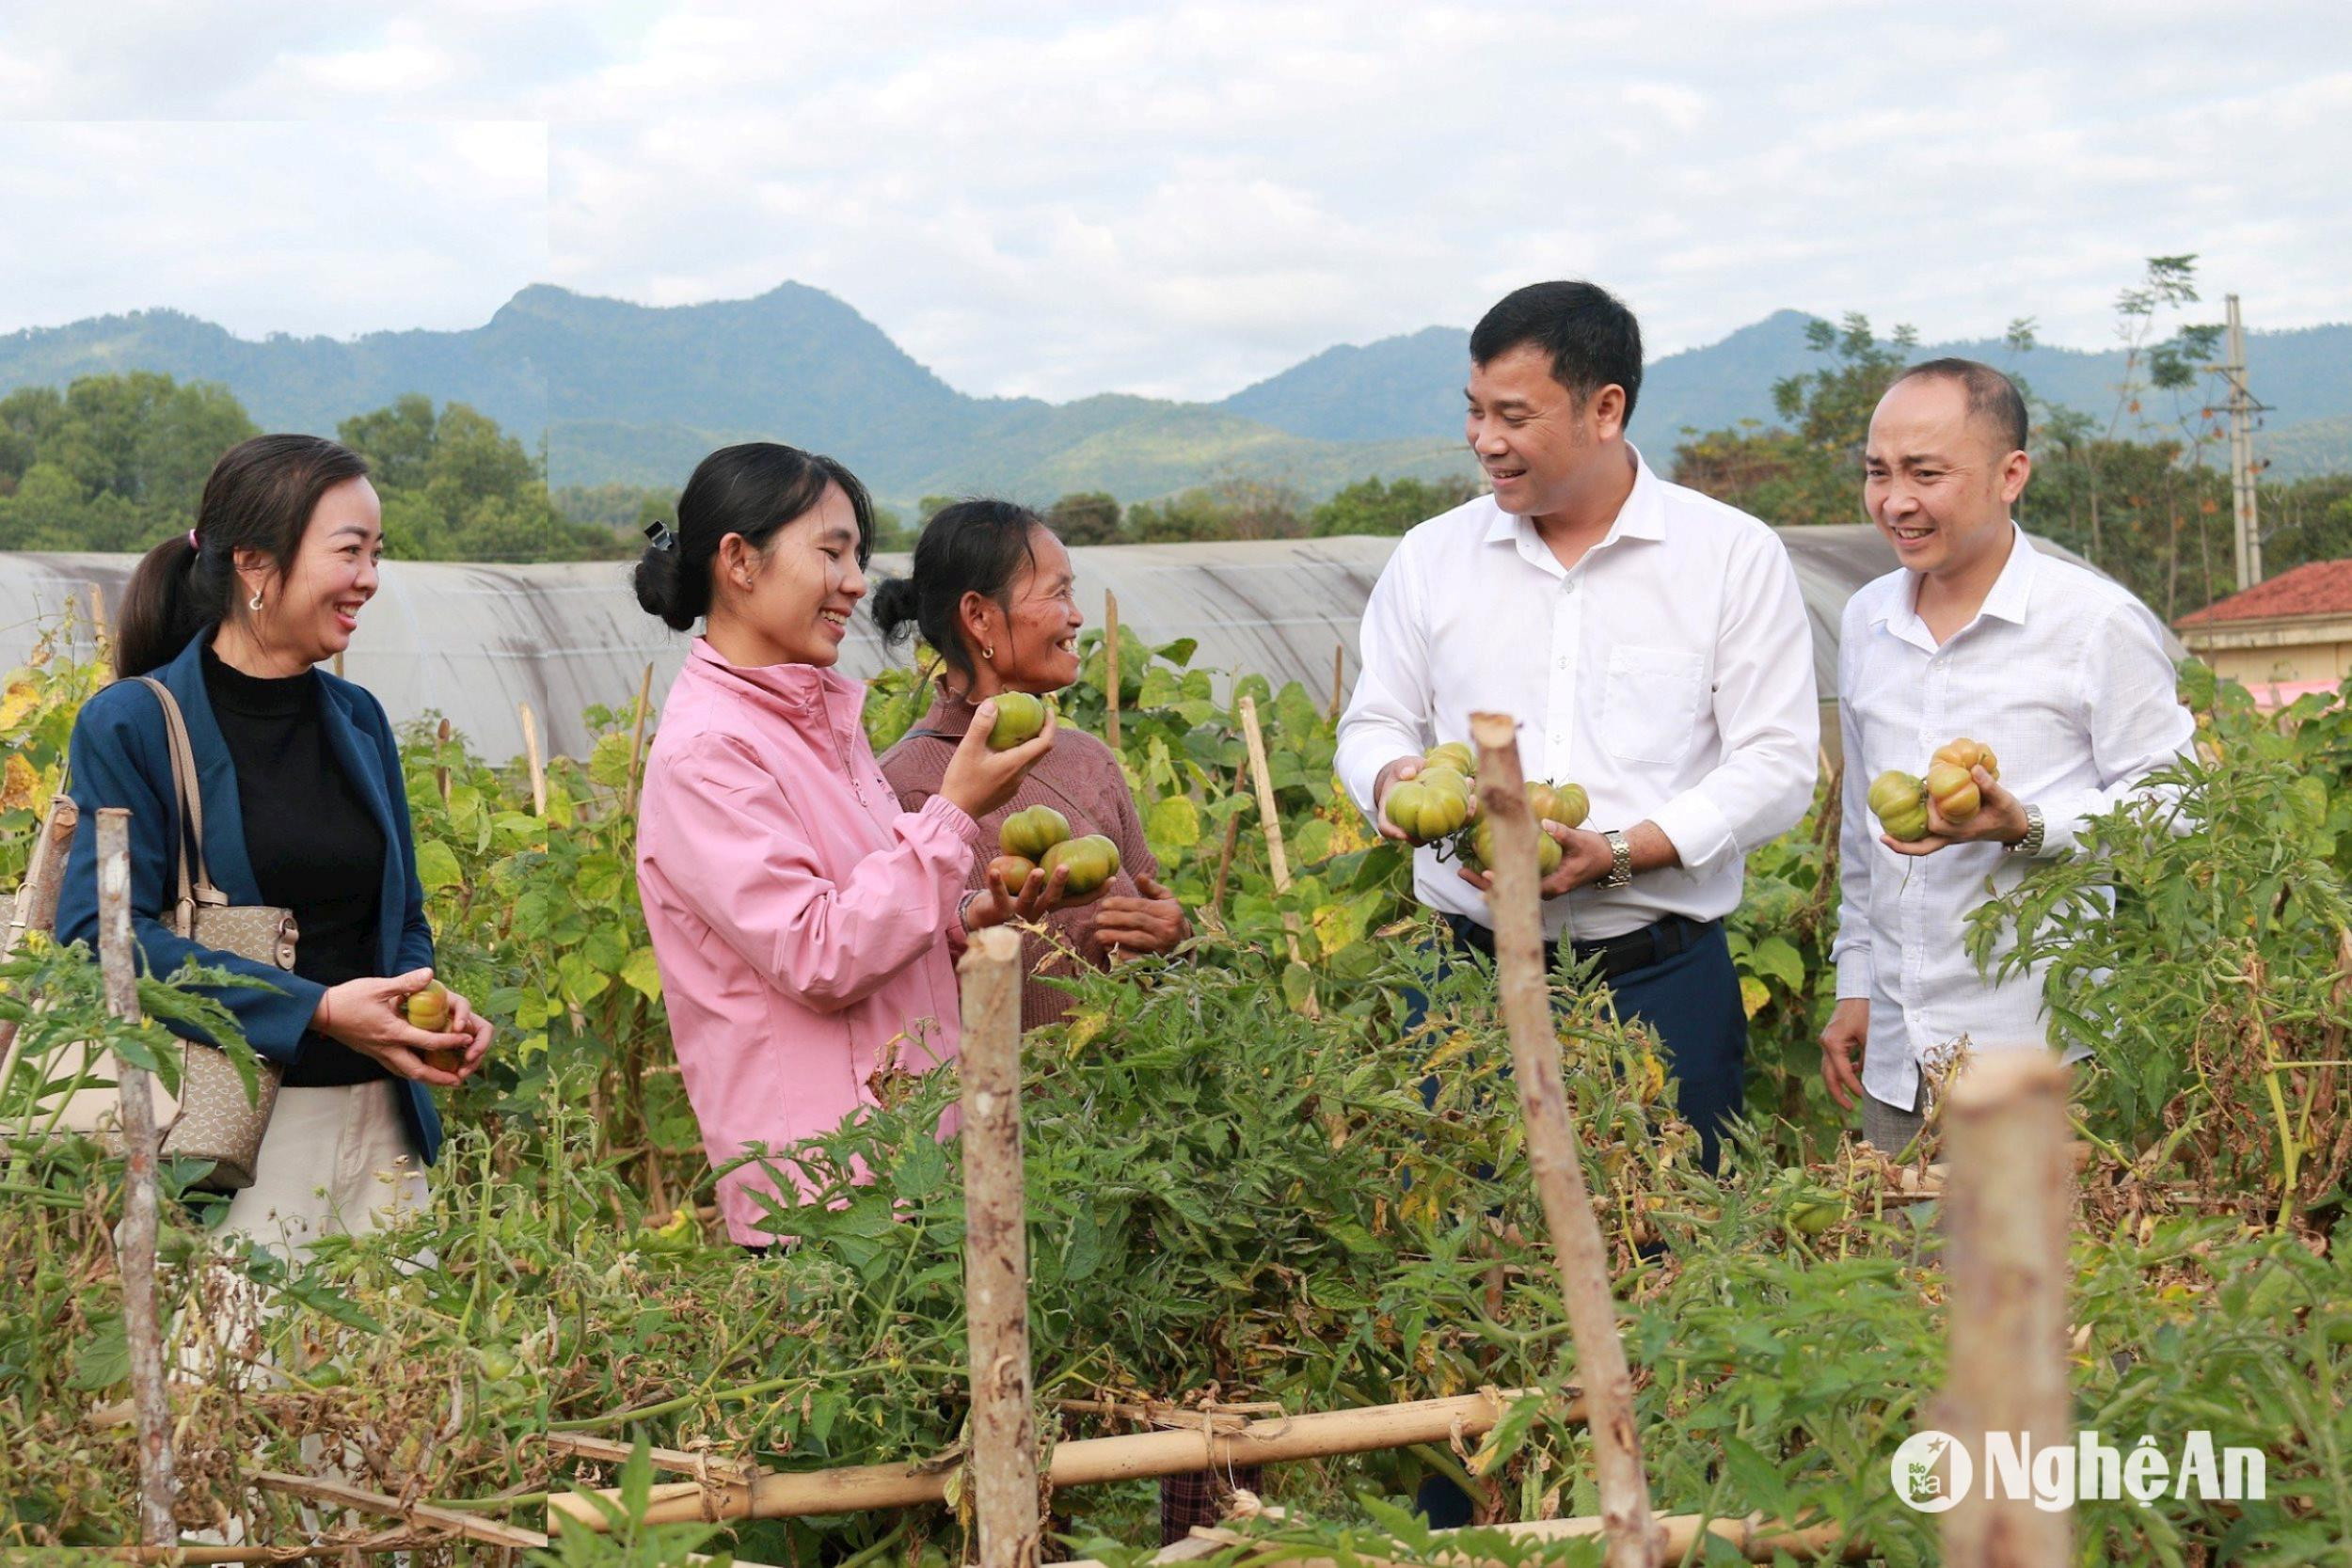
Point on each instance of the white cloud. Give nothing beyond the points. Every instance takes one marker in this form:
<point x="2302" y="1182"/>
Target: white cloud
<point x="1179" y="198"/>
<point x="302" y="227"/>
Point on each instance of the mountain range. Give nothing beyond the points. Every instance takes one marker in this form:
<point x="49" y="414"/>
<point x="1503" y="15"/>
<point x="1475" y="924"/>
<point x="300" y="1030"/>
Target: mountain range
<point x="632" y="393"/>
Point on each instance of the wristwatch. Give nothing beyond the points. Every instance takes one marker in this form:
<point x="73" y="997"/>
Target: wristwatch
<point x="1620" y="861"/>
<point x="2031" y="845"/>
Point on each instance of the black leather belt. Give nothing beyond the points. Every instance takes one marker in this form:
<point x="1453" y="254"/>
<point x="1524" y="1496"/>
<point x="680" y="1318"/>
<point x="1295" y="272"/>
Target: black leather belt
<point x="1619" y="956"/>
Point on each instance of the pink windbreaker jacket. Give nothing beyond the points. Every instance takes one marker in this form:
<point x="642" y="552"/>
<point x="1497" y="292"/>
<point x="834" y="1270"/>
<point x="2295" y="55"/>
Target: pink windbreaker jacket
<point x="803" y="923"/>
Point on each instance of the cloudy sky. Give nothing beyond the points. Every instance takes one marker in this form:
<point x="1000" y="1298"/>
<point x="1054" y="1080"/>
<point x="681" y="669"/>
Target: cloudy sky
<point x="1171" y="198"/>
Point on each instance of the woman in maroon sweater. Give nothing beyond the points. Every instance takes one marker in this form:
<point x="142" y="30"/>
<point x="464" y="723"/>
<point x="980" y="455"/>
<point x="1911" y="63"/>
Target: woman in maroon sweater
<point x="993" y="591"/>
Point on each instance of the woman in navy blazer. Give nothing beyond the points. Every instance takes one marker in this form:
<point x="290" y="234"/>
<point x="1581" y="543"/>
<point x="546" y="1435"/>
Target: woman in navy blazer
<point x="304" y="807"/>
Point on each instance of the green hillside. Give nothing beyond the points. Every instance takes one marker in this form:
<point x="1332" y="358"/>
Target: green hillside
<point x="635" y="394"/>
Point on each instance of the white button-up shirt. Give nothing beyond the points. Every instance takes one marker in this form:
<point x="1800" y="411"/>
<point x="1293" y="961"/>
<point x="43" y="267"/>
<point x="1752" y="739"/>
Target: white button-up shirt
<point x="2065" y="674"/>
<point x="1669" y="673"/>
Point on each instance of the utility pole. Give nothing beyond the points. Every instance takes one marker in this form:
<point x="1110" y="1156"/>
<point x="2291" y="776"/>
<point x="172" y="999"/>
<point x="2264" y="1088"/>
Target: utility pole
<point x="2243" y="407"/>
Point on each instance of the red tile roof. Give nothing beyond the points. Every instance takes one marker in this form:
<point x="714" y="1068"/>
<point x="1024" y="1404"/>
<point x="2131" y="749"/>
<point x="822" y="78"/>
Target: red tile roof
<point x="2315" y="588"/>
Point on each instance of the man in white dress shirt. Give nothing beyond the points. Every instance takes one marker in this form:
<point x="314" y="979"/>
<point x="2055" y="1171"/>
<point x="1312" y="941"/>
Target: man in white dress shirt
<point x="1651" y="644"/>
<point x="1976" y="633"/>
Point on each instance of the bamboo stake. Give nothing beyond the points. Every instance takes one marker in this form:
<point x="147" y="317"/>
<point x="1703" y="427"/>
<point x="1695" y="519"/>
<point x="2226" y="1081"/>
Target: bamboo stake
<point x="997" y="1253"/>
<point x="637" y="740"/>
<point x="1551" y="1147"/>
<point x="490" y="1533"/>
<point x="1110" y="665"/>
<point x="36" y="905"/>
<point x="1339" y="681"/>
<point x="538" y="765"/>
<point x="1273" y="825"/>
<point x="118" y="957"/>
<point x="2008" y="1205"/>
<point x="101" y="638"/>
<point x="1088" y="1461"/>
<point x="440" y="774"/>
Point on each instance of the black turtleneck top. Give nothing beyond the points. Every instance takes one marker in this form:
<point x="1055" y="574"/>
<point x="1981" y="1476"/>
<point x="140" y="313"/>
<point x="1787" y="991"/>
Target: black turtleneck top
<point x="315" y="847"/>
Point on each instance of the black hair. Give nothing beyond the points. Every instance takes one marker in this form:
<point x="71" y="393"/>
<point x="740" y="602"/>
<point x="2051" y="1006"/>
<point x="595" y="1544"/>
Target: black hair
<point x="259" y="497"/>
<point x="1592" y="338"/>
<point x="1993" y="397"/>
<point x="753" y="489"/>
<point x="971" y="547"/>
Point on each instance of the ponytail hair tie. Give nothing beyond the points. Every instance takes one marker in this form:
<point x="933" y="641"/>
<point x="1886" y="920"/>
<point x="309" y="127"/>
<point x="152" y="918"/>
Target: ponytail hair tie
<point x="192" y="544"/>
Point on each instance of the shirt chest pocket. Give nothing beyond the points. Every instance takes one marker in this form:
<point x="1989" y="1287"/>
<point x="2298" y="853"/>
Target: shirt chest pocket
<point x="1650" y="706"/>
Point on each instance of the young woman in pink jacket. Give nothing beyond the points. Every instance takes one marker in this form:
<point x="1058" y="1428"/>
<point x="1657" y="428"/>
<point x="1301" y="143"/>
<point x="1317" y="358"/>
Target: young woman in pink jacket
<point x="804" y="925"/>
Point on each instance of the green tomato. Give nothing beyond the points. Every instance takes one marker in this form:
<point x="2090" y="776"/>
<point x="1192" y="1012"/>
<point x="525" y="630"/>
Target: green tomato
<point x="1899" y="801"/>
<point x="1093" y="861"/>
<point x="1455" y="755"/>
<point x="1565" y="804"/>
<point x="1425" y="810"/>
<point x="1020" y="716"/>
<point x="1031" y="833"/>
<point x="1478" y="849"/>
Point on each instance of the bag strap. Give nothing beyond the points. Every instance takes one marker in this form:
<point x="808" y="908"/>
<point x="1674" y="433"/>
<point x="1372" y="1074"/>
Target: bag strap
<point x="188" y="813"/>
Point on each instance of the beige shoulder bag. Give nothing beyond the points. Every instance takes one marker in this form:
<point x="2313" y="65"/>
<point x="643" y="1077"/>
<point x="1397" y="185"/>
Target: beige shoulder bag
<point x="212" y="1119"/>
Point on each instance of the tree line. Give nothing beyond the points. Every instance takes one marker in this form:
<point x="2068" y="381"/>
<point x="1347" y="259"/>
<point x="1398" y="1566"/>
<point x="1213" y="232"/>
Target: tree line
<point x="2140" y="488"/>
<point x="119" y="462"/>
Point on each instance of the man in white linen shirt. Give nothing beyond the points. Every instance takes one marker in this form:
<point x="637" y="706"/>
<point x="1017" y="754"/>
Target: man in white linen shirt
<point x="1651" y="644"/>
<point x="1976" y="633"/>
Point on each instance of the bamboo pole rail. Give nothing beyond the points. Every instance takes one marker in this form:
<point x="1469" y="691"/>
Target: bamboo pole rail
<point x="604" y="1451"/>
<point x="1551" y="1147"/>
<point x="1756" y="1538"/>
<point x="1088" y="1461"/>
<point x="135" y="1248"/>
<point x="997" y="1253"/>
<point x="1110" y="666"/>
<point x="2007" y="1205"/>
<point x="490" y="1533"/>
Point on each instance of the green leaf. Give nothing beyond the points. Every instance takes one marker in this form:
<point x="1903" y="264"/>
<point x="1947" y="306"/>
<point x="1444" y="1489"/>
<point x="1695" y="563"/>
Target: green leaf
<point x="102" y="1358"/>
<point x="1175" y="822"/>
<point x="437" y="866"/>
<point x="641" y="973"/>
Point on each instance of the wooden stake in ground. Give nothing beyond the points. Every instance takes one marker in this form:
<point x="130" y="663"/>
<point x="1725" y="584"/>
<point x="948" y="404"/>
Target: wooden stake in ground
<point x="36" y="906"/>
<point x="538" y="764"/>
<point x="1275" y="858"/>
<point x="1110" y="665"/>
<point x="1552" y="1149"/>
<point x="637" y="740"/>
<point x="1087" y="1461"/>
<point x="441" y="775"/>
<point x="141" y="1331"/>
<point x="997" y="1253"/>
<point x="2007" y="1202"/>
<point x="1339" y="681"/>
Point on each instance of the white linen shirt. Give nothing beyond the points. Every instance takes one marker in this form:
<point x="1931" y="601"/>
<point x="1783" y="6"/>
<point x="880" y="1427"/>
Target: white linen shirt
<point x="2065" y="674"/>
<point x="1669" y="673"/>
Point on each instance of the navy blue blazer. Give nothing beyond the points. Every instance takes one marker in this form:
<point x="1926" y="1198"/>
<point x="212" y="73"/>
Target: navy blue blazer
<point x="122" y="756"/>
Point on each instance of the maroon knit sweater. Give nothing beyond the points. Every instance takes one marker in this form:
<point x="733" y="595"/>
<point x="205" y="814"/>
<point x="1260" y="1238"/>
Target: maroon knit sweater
<point x="1080" y="779"/>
